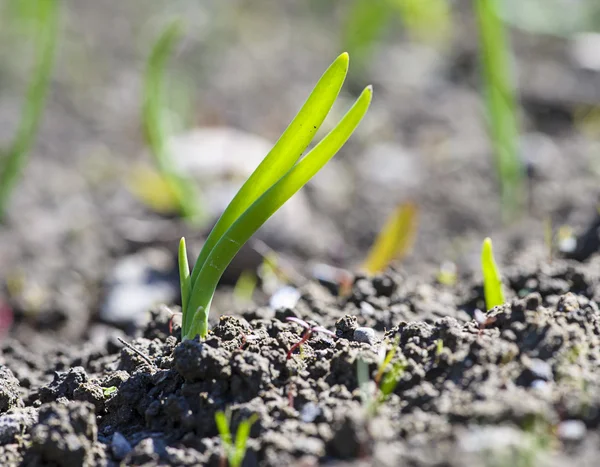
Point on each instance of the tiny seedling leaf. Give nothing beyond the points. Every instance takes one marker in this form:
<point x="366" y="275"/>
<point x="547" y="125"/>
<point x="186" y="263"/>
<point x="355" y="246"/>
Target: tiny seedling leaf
<point x="235" y="453"/>
<point x="388" y="359"/>
<point x="492" y="283"/>
<point x="109" y="391"/>
<point x="184" y="270"/>
<point x="241" y="440"/>
<point x="391" y="379"/>
<point x="395" y="240"/>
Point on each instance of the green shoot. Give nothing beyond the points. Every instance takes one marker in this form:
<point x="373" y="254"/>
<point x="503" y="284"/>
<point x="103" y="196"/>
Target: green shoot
<point x="395" y="239"/>
<point x="447" y="274"/>
<point x="156" y="132"/>
<point x="492" y="284"/>
<point x="374" y="393"/>
<point x="235" y="453"/>
<point x="279" y="176"/>
<point x="245" y="286"/>
<point x="109" y="391"/>
<point x="45" y="17"/>
<point x="364" y="25"/>
<point x="184" y="272"/>
<point x="425" y="20"/>
<point x="367" y="21"/>
<point x="501" y="105"/>
<point x="549" y="237"/>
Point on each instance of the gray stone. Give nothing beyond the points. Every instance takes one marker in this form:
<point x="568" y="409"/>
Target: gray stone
<point x="366" y="335"/>
<point x="119" y="446"/>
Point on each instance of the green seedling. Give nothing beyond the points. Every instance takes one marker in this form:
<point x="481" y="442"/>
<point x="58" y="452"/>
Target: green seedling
<point x="447" y="274"/>
<point x="276" y="179"/>
<point x="395" y="240"/>
<point x="492" y="283"/>
<point x="234" y="453"/>
<point x="182" y="188"/>
<point x="367" y="21"/>
<point x="245" y="287"/>
<point x="44" y="16"/>
<point x="427" y="21"/>
<point x="375" y="393"/>
<point x="501" y="105"/>
<point x="109" y="391"/>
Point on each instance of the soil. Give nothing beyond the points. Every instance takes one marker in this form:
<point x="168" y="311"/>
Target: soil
<point x="521" y="387"/>
<point x="89" y="377"/>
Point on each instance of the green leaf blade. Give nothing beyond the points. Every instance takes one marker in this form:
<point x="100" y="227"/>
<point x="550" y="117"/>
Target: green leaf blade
<point x="284" y="154"/>
<point x="184" y="278"/>
<point x="263" y="208"/>
<point x="241" y="440"/>
<point x="501" y="104"/>
<point x="492" y="283"/>
<point x="46" y="16"/>
<point x="224" y="432"/>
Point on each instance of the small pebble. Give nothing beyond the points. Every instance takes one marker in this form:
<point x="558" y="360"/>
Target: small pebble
<point x="119" y="446"/>
<point x="571" y="430"/>
<point x="310" y="412"/>
<point x="541" y="386"/>
<point x="367" y="309"/>
<point x="285" y="297"/>
<point x="366" y="335"/>
<point x="541" y="369"/>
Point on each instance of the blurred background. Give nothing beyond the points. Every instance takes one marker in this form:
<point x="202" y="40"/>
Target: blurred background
<point x="90" y="229"/>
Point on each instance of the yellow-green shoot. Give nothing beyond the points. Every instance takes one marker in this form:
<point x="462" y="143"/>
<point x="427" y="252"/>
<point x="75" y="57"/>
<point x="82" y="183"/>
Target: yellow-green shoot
<point x="279" y="176"/>
<point x="501" y="104"/>
<point x="395" y="240"/>
<point x="44" y="19"/>
<point x="155" y="125"/>
<point x="235" y="453"/>
<point x="492" y="283"/>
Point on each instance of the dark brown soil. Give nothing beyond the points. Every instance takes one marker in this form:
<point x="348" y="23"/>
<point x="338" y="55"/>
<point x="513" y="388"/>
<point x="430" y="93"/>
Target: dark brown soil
<point x="520" y="389"/>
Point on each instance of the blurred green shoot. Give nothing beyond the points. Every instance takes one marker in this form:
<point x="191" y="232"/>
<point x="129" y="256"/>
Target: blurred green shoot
<point x="367" y="21"/>
<point x="425" y="20"/>
<point x="44" y="18"/>
<point x="549" y="237"/>
<point x="447" y="274"/>
<point x="395" y="240"/>
<point x="278" y="177"/>
<point x="109" y="391"/>
<point x="181" y="188"/>
<point x="492" y="283"/>
<point x="235" y="453"/>
<point x="501" y="104"/>
<point x="245" y="286"/>
<point x="374" y="393"/>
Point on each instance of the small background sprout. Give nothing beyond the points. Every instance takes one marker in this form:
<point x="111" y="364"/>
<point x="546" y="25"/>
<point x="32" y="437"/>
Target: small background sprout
<point x="154" y="118"/>
<point x="395" y="240"/>
<point x="234" y="453"/>
<point x="43" y="20"/>
<point x="492" y="283"/>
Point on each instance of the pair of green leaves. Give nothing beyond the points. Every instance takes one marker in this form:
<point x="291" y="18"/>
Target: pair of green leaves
<point x="279" y="176"/>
